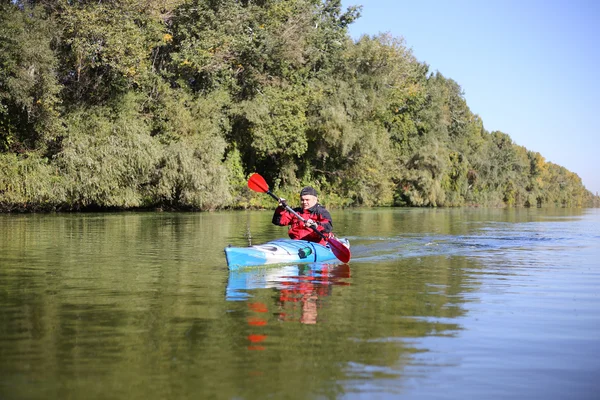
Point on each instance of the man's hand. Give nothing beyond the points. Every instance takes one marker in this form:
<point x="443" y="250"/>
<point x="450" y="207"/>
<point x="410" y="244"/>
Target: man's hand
<point x="282" y="202"/>
<point x="310" y="223"/>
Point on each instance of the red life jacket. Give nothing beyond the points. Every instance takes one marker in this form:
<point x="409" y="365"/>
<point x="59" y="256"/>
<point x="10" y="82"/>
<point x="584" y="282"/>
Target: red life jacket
<point x="298" y="230"/>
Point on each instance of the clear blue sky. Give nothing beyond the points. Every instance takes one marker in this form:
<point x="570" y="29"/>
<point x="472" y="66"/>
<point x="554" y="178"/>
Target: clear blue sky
<point x="529" y="68"/>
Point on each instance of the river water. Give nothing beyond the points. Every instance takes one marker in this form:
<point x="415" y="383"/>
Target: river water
<point x="435" y="304"/>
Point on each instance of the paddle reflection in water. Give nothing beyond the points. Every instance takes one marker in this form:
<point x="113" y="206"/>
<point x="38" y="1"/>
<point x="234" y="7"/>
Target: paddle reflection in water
<point x="300" y="289"/>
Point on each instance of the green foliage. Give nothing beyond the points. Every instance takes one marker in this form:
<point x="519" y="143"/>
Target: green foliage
<point x="107" y="156"/>
<point x="190" y="170"/>
<point x="188" y="176"/>
<point x="29" y="183"/>
<point x="125" y="104"/>
<point x="121" y="165"/>
<point x="455" y="182"/>
<point x="29" y="89"/>
<point x="276" y="123"/>
<point x="106" y="49"/>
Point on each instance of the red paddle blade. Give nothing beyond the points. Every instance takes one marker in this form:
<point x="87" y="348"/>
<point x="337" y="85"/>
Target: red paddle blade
<point x="339" y="250"/>
<point x="258" y="183"/>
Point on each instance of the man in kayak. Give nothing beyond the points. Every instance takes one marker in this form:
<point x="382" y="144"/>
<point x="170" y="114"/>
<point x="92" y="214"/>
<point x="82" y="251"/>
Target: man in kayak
<point x="315" y="215"/>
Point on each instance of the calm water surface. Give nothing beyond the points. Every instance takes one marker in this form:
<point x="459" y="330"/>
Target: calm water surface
<point x="435" y="304"/>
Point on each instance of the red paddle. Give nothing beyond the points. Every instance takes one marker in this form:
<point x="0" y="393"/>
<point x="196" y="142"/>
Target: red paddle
<point x="258" y="184"/>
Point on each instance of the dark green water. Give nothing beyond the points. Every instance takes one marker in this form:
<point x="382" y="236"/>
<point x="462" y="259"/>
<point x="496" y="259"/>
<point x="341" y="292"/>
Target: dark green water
<point x="435" y="304"/>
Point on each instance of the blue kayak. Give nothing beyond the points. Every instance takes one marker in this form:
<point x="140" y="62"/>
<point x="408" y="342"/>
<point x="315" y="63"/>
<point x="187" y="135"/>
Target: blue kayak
<point x="280" y="251"/>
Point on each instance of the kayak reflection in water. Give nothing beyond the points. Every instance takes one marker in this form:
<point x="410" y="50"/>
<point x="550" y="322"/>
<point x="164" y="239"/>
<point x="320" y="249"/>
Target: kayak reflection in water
<point x="301" y="289"/>
<point x="314" y="214"/>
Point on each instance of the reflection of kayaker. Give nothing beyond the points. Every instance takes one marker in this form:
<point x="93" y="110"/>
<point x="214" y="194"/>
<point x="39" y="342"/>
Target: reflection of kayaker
<point x="300" y="287"/>
<point x="308" y="290"/>
<point x="243" y="282"/>
<point x="255" y="339"/>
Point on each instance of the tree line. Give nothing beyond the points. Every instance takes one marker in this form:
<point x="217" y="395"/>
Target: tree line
<point x="121" y="104"/>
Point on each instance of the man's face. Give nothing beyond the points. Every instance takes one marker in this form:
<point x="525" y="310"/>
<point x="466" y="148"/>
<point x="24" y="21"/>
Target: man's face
<point x="307" y="201"/>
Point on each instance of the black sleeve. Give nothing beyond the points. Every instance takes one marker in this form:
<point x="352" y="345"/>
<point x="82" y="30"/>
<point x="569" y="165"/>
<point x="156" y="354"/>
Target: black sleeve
<point x="326" y="222"/>
<point x="277" y="216"/>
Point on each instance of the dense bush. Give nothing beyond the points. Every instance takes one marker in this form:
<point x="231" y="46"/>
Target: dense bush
<point x="125" y="104"/>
